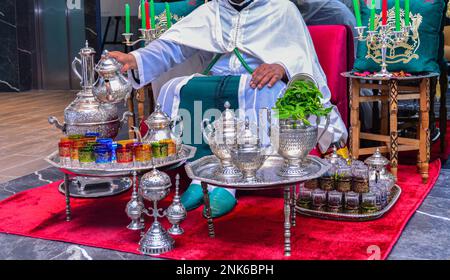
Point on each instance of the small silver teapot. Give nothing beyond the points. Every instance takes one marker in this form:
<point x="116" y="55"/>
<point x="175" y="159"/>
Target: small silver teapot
<point x="161" y="127"/>
<point x="111" y="86"/>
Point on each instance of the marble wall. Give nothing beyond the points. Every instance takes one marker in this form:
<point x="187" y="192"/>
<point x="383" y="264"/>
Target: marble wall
<point x="17" y="50"/>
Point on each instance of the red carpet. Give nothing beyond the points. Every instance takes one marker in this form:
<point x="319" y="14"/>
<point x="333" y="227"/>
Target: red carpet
<point x="253" y="231"/>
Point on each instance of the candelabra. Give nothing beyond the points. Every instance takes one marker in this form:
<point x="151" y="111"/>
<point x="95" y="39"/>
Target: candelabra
<point x="384" y="36"/>
<point x="147" y="36"/>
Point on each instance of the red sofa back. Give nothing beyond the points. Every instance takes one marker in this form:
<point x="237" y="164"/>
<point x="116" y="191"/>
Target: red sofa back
<point x="335" y="50"/>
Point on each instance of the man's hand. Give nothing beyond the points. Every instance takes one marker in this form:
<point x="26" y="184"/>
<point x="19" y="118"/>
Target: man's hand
<point x="267" y="74"/>
<point x="127" y="60"/>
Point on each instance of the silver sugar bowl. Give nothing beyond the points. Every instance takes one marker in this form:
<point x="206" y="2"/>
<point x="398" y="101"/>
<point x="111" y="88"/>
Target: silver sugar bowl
<point x="220" y="135"/>
<point x="248" y="155"/>
<point x="155" y="186"/>
<point x="111" y="86"/>
<point x="176" y="213"/>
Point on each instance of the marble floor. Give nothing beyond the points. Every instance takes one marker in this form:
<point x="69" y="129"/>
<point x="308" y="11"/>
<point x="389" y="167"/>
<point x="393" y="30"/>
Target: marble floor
<point x="425" y="236"/>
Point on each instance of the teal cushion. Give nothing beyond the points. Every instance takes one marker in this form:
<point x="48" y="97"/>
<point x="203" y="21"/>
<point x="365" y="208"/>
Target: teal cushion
<point x="421" y="51"/>
<point x="178" y="9"/>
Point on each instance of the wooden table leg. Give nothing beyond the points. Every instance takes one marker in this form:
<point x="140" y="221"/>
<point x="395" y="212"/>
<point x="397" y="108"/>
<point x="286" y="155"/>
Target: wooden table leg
<point x="393" y="108"/>
<point x="208" y="210"/>
<point x="384" y="114"/>
<point x="443" y="110"/>
<point x="355" y="127"/>
<point x="424" y="145"/>
<point x="131" y="123"/>
<point x="140" y="97"/>
<point x="67" y="193"/>
<point x="287" y="222"/>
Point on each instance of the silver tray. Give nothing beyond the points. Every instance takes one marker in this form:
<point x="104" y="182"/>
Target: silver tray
<point x="97" y="188"/>
<point x="352" y="217"/>
<point x="206" y="168"/>
<point x="186" y="153"/>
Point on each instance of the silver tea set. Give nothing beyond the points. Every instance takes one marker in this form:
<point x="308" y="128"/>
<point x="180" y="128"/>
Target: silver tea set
<point x="95" y="108"/>
<point x="155" y="186"/>
<point x="241" y="151"/>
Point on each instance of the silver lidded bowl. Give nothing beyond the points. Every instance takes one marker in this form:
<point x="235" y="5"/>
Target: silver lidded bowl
<point x="155" y="185"/>
<point x="296" y="139"/>
<point x="220" y="135"/>
<point x="248" y="155"/>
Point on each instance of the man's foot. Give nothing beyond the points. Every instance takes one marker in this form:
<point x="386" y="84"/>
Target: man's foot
<point x="221" y="201"/>
<point x="192" y="197"/>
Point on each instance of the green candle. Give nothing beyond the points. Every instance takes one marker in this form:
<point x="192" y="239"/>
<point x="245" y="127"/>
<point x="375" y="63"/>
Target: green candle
<point x="406" y="12"/>
<point x="168" y="15"/>
<point x="397" y="15"/>
<point x="143" y="15"/>
<point x="127" y="18"/>
<point x="152" y="14"/>
<point x="372" y="16"/>
<point x="357" y="12"/>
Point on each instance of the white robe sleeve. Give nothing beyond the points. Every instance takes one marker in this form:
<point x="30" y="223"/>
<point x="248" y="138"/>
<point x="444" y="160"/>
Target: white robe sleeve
<point x="157" y="58"/>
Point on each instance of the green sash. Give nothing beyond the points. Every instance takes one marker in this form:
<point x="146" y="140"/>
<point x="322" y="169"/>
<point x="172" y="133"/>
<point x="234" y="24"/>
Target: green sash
<point x="213" y="92"/>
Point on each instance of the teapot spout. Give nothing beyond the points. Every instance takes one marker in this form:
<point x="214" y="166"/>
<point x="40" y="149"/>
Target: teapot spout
<point x="54" y="121"/>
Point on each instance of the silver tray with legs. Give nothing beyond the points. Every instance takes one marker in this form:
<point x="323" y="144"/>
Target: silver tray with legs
<point x="396" y="192"/>
<point x="102" y="182"/>
<point x="186" y="152"/>
<point x="205" y="170"/>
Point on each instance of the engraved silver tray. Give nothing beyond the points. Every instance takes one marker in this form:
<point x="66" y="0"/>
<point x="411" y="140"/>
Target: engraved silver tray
<point x="205" y="170"/>
<point x="186" y="153"/>
<point x="396" y="192"/>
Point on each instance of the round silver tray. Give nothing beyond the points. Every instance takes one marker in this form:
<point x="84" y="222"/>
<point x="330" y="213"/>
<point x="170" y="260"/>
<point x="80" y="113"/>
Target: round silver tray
<point x="98" y="187"/>
<point x="206" y="168"/>
<point x="352" y="217"/>
<point x="186" y="153"/>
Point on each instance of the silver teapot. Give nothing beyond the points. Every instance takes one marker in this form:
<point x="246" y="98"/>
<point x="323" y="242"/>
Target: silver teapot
<point x="85" y="113"/>
<point x="219" y="135"/>
<point x="248" y="155"/>
<point x="111" y="86"/>
<point x="161" y="127"/>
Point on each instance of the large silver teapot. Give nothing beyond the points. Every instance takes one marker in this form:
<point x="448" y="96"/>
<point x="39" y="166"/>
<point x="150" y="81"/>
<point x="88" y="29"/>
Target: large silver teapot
<point x="161" y="127"/>
<point x="220" y="135"/>
<point x="85" y="113"/>
<point x="111" y="86"/>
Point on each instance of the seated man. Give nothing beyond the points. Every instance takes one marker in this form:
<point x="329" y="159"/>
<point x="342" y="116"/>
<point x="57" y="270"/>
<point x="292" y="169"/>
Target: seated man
<point x="251" y="40"/>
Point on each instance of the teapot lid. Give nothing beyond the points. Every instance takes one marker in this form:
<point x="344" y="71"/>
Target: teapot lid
<point x="87" y="51"/>
<point x="107" y="64"/>
<point x="228" y="115"/>
<point x="158" y="119"/>
<point x="155" y="179"/>
<point x="247" y="138"/>
<point x="377" y="159"/>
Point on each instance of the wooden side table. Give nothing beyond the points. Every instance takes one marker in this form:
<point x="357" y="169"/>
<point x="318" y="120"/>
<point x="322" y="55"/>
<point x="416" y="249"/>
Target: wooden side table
<point x="392" y="90"/>
<point x="140" y="96"/>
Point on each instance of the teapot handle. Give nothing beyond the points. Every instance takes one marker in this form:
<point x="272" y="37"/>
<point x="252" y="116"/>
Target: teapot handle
<point x="173" y="124"/>
<point x="327" y="124"/>
<point x="206" y="128"/>
<point x="74" y="68"/>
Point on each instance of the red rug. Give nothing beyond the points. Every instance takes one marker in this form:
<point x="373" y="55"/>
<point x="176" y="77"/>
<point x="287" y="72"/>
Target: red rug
<point x="253" y="231"/>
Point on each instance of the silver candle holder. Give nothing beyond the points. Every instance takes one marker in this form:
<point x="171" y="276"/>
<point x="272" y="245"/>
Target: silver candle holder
<point x="147" y="36"/>
<point x="386" y="35"/>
